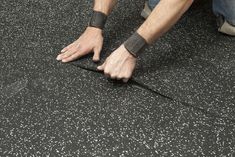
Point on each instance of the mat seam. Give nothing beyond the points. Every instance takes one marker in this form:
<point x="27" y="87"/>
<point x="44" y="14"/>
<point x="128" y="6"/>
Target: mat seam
<point x="145" y="87"/>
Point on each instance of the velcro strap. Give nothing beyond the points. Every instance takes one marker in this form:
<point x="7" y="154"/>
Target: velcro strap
<point x="98" y="20"/>
<point x="135" y="44"/>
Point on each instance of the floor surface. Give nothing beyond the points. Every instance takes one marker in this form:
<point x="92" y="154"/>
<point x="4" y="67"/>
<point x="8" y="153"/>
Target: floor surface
<point x="180" y="101"/>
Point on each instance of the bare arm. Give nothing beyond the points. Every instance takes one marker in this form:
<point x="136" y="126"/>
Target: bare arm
<point x="121" y="64"/>
<point x="104" y="6"/>
<point x="162" y="18"/>
<point x="91" y="41"/>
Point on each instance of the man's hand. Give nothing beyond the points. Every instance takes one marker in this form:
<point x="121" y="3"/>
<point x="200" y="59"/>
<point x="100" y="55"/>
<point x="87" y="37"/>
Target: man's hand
<point x="90" y="41"/>
<point x="119" y="65"/>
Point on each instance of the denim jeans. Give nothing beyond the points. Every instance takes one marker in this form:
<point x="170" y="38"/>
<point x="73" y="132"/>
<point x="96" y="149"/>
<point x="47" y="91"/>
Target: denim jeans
<point x="225" y="8"/>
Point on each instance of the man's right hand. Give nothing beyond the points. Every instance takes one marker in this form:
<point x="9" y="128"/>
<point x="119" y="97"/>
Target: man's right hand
<point x="91" y="41"/>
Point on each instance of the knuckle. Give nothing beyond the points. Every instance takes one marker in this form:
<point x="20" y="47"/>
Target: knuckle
<point x="119" y="77"/>
<point x="106" y="71"/>
<point x="113" y="76"/>
<point x="71" y="58"/>
<point x="126" y="77"/>
<point x="69" y="52"/>
<point x="66" y="55"/>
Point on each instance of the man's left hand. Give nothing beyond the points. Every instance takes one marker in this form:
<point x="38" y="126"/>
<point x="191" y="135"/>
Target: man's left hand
<point x="119" y="65"/>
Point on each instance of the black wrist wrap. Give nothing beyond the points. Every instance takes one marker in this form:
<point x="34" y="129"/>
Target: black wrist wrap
<point x="98" y="20"/>
<point x="135" y="44"/>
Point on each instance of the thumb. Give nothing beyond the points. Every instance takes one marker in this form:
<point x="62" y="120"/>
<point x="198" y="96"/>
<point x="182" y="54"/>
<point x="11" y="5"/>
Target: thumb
<point x="101" y="67"/>
<point x="96" y="56"/>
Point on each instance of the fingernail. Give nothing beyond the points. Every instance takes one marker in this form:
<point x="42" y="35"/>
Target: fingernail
<point x="125" y="80"/>
<point x="58" y="58"/>
<point x="96" y="60"/>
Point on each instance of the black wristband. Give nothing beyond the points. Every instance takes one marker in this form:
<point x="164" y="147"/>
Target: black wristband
<point x="98" y="20"/>
<point x="135" y="44"/>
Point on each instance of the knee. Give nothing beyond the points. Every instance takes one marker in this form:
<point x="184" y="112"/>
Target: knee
<point x="225" y="8"/>
<point x="231" y="18"/>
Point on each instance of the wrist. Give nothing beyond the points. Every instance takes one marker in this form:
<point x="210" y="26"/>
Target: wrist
<point x="98" y="20"/>
<point x="126" y="53"/>
<point x="135" y="44"/>
<point x="94" y="29"/>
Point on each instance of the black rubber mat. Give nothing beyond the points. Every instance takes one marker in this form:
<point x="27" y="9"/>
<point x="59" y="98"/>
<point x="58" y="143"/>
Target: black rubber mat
<point x="48" y="108"/>
<point x="193" y="63"/>
<point x="62" y="113"/>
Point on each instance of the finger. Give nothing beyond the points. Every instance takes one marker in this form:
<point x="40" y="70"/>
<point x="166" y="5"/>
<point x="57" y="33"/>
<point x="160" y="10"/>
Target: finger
<point x="101" y="67"/>
<point x="127" y="72"/>
<point x="66" y="48"/>
<point x="96" y="56"/>
<point x="67" y="54"/>
<point x="75" y="56"/>
<point x="68" y="51"/>
<point x="119" y="77"/>
<point x="107" y="75"/>
<point x="125" y="80"/>
<point x="59" y="57"/>
<point x="106" y="72"/>
<point x="113" y="76"/>
<point x="127" y="75"/>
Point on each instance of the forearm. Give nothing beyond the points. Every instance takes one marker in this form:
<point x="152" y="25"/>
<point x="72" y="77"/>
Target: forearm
<point x="162" y="18"/>
<point x="104" y="6"/>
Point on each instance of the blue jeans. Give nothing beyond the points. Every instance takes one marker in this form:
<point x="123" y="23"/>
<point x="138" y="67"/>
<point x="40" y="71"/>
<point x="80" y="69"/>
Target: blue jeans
<point x="225" y="8"/>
